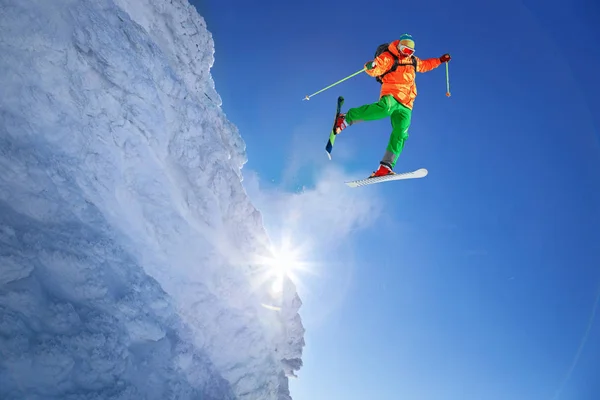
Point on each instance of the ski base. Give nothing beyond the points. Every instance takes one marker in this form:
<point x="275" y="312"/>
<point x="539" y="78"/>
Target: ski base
<point x="331" y="141"/>
<point x="419" y="173"/>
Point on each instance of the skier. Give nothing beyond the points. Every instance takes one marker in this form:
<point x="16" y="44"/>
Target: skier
<point x="395" y="67"/>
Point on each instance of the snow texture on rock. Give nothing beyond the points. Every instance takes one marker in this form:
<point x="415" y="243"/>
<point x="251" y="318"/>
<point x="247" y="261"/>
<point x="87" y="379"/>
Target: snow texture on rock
<point x="128" y="245"/>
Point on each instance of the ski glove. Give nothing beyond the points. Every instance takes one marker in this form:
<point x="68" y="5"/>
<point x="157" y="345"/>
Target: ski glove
<point x="445" y="58"/>
<point x="370" y="65"/>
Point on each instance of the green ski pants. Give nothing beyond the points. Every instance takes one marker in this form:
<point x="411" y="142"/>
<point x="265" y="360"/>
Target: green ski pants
<point x="400" y="116"/>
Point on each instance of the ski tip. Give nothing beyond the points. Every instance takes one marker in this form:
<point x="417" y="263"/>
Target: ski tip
<point x="329" y="148"/>
<point x="422" y="172"/>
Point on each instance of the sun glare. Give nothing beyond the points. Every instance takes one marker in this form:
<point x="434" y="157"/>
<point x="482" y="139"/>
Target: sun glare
<point x="285" y="261"/>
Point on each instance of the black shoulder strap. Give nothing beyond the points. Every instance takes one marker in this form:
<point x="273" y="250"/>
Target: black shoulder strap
<point x="393" y="68"/>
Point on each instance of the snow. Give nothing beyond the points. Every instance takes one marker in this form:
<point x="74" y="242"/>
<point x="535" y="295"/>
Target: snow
<point x="129" y="249"/>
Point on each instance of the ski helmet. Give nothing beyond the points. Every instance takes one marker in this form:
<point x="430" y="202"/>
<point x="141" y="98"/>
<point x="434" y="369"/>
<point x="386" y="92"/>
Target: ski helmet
<point x="407" y="40"/>
<point x="406" y="46"/>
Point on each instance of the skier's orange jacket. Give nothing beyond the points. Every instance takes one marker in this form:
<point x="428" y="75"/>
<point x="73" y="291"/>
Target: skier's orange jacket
<point x="401" y="82"/>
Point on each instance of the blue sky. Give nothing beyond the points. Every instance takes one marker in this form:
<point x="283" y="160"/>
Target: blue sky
<point x="479" y="281"/>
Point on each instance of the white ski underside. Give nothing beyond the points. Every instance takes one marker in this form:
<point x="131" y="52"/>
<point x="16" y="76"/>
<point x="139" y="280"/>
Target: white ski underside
<point x="419" y="173"/>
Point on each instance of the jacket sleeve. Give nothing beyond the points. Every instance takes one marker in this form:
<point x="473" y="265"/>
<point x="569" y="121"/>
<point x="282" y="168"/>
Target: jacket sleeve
<point x="382" y="64"/>
<point x="428" y="64"/>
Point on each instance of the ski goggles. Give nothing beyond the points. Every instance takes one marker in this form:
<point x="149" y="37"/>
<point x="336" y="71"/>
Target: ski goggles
<point x="405" y="50"/>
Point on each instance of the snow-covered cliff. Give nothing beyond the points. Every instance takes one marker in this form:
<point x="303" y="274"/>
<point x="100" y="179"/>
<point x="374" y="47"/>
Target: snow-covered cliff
<point x="131" y="259"/>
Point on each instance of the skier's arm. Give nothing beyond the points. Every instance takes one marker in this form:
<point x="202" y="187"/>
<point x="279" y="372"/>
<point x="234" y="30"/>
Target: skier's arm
<point x="428" y="64"/>
<point x="431" y="63"/>
<point x="381" y="64"/>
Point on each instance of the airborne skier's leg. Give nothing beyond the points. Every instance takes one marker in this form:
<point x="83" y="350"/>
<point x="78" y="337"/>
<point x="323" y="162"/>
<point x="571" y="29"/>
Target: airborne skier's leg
<point x="400" y="119"/>
<point x="371" y="112"/>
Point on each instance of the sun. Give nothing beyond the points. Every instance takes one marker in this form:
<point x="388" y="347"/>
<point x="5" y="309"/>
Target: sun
<point x="284" y="261"/>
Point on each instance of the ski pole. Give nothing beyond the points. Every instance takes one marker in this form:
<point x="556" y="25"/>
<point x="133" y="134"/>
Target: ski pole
<point x="447" y="81"/>
<point x="333" y="84"/>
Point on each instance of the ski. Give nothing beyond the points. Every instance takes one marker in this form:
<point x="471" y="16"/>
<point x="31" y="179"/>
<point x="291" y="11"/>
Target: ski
<point x="419" y="173"/>
<point x="331" y="141"/>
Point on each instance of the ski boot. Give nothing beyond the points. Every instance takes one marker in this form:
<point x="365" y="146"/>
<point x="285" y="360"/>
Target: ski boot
<point x="382" y="171"/>
<point x="340" y="123"/>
